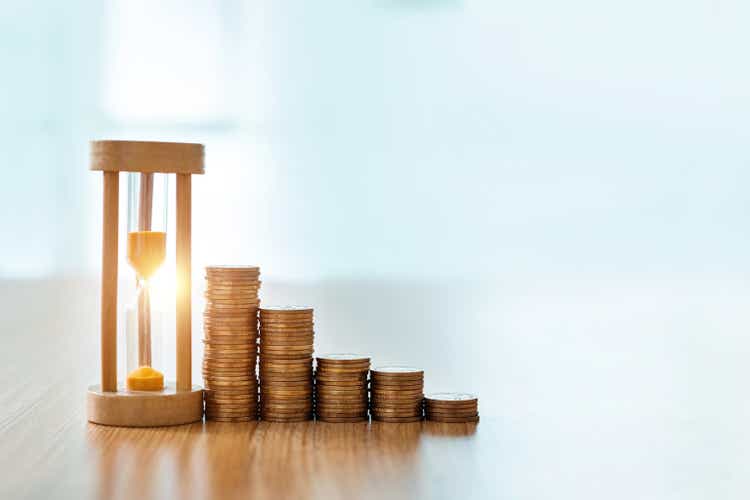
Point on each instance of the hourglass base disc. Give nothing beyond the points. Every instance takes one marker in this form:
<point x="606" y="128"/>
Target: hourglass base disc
<point x="144" y="408"/>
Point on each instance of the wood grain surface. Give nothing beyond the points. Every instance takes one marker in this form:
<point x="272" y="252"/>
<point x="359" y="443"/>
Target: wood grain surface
<point x="48" y="450"/>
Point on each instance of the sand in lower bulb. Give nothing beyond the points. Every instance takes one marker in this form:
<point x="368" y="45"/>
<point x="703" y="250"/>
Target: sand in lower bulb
<point x="145" y="378"/>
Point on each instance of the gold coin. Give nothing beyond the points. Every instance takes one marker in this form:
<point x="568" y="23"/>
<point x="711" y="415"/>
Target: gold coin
<point x="285" y="405"/>
<point x="286" y="327"/>
<point x="246" y="395"/>
<point x="227" y="355"/>
<point x="219" y="365"/>
<point x="233" y="268"/>
<point x="285" y="370"/>
<point x="396" y="376"/>
<point x="442" y="409"/>
<point x="285" y="350"/>
<point x="287" y="309"/>
<point x="332" y="389"/>
<point x="358" y="408"/>
<point x="277" y="356"/>
<point x="284" y="339"/>
<point x="290" y="420"/>
<point x="338" y="377"/>
<point x="251" y="404"/>
<point x="274" y="376"/>
<point x="232" y="277"/>
<point x="285" y="344"/>
<point x="396" y="419"/>
<point x="233" y="420"/>
<point x="270" y="395"/>
<point x="414" y="389"/>
<point x="224" y="319"/>
<point x="218" y="294"/>
<point x="278" y="321"/>
<point x="246" y="400"/>
<point x="458" y="415"/>
<point x="210" y="329"/>
<point x="233" y="391"/>
<point x="346" y="414"/>
<point x="244" y="377"/>
<point x="448" y="420"/>
<point x="341" y="420"/>
<point x="216" y="309"/>
<point x="249" y="409"/>
<point x="393" y="412"/>
<point x="285" y="412"/>
<point x="397" y="370"/>
<point x="345" y="368"/>
<point x="231" y="341"/>
<point x="282" y="413"/>
<point x="236" y="347"/>
<point x="451" y="397"/>
<point x="339" y="410"/>
<point x="344" y="358"/>
<point x="341" y="393"/>
<point x="335" y="371"/>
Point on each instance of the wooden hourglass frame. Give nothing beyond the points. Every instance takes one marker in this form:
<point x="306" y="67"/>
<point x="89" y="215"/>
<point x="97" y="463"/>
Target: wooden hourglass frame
<point x="182" y="402"/>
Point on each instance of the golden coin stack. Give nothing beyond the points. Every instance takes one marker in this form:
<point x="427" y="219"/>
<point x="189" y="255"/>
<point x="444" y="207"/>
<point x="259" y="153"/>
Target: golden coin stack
<point x="285" y="367"/>
<point x="341" y="388"/>
<point x="396" y="393"/>
<point x="230" y="327"/>
<point x="451" y="407"/>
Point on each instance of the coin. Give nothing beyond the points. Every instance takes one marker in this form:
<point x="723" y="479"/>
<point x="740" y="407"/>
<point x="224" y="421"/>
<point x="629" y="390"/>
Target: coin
<point x="397" y="369"/>
<point x="287" y="309"/>
<point x="344" y="358"/>
<point x="338" y="420"/>
<point x="454" y="420"/>
<point x="450" y="397"/>
<point x="396" y="419"/>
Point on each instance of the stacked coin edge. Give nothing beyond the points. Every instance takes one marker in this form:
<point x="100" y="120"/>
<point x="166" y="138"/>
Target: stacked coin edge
<point x="449" y="407"/>
<point x="230" y="343"/>
<point x="285" y="363"/>
<point x="396" y="394"/>
<point x="341" y="388"/>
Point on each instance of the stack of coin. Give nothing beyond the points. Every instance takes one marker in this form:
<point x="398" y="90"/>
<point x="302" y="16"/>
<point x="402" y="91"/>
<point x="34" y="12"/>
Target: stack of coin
<point x="341" y="388"/>
<point x="285" y="368"/>
<point x="451" y="407"/>
<point x="396" y="393"/>
<point x="230" y="326"/>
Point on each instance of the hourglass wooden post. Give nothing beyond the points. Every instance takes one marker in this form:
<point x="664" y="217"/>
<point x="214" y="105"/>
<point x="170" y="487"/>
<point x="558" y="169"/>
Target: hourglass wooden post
<point x="110" y="403"/>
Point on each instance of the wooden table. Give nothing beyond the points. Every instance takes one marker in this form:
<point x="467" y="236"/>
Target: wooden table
<point x="48" y="450"/>
<point x="583" y="435"/>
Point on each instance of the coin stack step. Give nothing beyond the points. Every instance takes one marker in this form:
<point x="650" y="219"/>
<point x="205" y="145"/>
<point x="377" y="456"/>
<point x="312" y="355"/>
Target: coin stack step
<point x="341" y="388"/>
<point x="230" y="328"/>
<point x="285" y="366"/>
<point x="451" y="407"/>
<point x="396" y="393"/>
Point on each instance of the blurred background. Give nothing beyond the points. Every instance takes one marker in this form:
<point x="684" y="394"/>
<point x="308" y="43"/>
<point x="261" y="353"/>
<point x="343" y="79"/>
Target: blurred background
<point x="541" y="202"/>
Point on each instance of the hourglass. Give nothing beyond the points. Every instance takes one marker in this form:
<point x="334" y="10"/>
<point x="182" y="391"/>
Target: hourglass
<point x="145" y="399"/>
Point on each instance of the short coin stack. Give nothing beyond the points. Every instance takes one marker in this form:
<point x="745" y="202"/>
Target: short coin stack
<point x="285" y="368"/>
<point x="451" y="407"/>
<point x="341" y="388"/>
<point x="396" y="393"/>
<point x="230" y="326"/>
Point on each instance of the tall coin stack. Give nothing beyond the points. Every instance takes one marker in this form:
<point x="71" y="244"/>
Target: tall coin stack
<point x="451" y="407"/>
<point x="285" y="368"/>
<point x="396" y="393"/>
<point x="230" y="327"/>
<point x="341" y="388"/>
